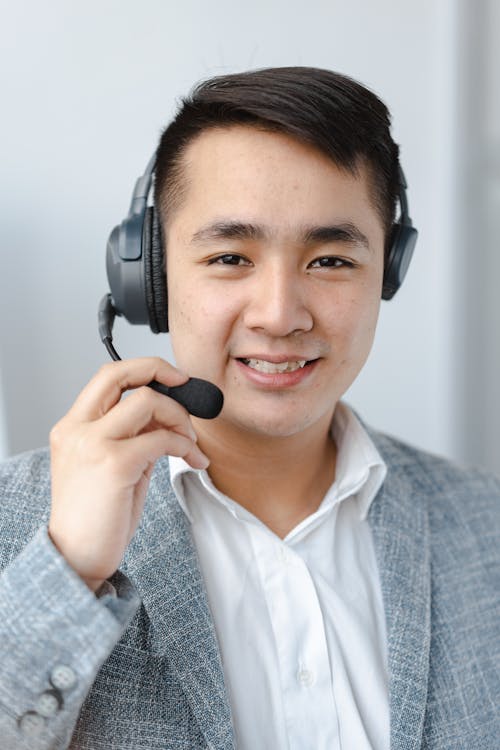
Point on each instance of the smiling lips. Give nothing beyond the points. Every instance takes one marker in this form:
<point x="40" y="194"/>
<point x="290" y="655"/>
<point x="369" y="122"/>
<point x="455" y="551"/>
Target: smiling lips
<point x="277" y="373"/>
<point x="263" y="365"/>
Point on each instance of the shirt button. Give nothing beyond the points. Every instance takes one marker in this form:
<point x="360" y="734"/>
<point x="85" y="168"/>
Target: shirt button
<point x="305" y="677"/>
<point x="62" y="677"/>
<point x="31" y="724"/>
<point x="49" y="703"/>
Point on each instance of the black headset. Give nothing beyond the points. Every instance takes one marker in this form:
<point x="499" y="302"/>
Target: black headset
<point x="136" y="268"/>
<point x="138" y="283"/>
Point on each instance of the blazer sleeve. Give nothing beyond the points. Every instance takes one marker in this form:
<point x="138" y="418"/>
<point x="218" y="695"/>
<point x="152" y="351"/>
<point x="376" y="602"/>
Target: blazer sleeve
<point x="54" y="636"/>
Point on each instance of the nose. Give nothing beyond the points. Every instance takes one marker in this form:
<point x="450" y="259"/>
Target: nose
<point x="277" y="303"/>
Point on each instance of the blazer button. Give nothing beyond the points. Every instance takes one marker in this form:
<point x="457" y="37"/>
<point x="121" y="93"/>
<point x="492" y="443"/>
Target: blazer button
<point x="62" y="677"/>
<point x="49" y="703"/>
<point x="31" y="724"/>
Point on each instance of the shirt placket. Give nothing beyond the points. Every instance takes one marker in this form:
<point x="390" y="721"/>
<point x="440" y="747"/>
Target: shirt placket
<point x="309" y="708"/>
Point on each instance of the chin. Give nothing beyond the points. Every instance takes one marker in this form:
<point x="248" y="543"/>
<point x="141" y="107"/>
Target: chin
<point x="276" y="425"/>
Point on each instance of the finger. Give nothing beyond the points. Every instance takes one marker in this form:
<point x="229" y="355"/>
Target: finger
<point x="105" y="389"/>
<point x="143" y="409"/>
<point x="145" y="449"/>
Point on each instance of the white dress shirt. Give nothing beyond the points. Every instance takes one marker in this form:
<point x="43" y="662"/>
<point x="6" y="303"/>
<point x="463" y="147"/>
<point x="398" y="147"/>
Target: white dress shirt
<point x="299" y="621"/>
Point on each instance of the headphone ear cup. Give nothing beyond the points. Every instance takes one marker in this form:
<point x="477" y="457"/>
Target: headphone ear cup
<point x="125" y="270"/>
<point x="155" y="279"/>
<point x="397" y="260"/>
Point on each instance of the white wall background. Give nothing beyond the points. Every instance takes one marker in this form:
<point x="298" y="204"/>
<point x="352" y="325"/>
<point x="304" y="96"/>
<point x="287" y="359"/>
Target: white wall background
<point x="479" y="230"/>
<point x="87" y="87"/>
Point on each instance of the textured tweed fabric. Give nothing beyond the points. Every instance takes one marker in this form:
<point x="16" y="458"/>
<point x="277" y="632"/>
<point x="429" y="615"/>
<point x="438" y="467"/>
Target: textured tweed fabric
<point x="146" y="665"/>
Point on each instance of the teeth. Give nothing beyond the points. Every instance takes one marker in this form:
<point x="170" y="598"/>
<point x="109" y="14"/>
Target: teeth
<point x="263" y="366"/>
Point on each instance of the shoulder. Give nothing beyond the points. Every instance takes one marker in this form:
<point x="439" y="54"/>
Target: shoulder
<point x="429" y="467"/>
<point x="454" y="493"/>
<point x="32" y="465"/>
<point x="24" y="499"/>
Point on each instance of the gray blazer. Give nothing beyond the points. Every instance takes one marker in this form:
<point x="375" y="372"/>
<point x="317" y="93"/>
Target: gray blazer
<point x="142" y="671"/>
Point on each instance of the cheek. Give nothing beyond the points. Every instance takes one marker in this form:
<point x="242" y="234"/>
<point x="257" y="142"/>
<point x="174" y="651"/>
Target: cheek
<point x="199" y="310"/>
<point x="200" y="323"/>
<point x="352" y="326"/>
<point x="182" y="311"/>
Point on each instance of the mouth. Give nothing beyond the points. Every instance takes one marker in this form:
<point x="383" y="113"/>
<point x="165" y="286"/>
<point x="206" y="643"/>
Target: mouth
<point x="272" y="368"/>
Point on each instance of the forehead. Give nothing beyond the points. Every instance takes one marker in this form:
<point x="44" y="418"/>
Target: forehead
<point x="254" y="175"/>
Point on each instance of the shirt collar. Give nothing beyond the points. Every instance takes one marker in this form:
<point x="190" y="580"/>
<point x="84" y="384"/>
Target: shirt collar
<point x="360" y="469"/>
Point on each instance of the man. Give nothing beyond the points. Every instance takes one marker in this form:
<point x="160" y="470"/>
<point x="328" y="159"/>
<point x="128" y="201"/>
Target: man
<point x="278" y="577"/>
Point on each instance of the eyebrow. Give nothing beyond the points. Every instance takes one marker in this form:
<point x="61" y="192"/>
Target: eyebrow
<point x="229" y="230"/>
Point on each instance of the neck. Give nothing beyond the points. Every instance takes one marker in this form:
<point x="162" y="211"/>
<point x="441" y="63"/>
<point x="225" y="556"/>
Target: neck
<point x="279" y="480"/>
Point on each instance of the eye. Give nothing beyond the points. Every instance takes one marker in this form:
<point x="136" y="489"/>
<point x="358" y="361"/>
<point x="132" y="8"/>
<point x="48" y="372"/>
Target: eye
<point x="330" y="261"/>
<point x="229" y="259"/>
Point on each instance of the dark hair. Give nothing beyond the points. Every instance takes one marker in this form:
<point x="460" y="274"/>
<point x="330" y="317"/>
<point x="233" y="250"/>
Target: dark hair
<point x="337" y="115"/>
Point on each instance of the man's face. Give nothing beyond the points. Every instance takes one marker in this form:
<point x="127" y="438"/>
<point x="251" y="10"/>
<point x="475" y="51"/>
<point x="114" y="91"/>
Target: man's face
<point x="275" y="256"/>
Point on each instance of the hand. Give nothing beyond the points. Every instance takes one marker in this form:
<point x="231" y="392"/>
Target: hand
<point x="102" y="456"/>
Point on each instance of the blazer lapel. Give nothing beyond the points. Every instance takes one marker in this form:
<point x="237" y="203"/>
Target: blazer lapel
<point x="162" y="563"/>
<point x="398" y="519"/>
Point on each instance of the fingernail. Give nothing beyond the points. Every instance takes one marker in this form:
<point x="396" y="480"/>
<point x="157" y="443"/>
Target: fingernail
<point x="203" y="461"/>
